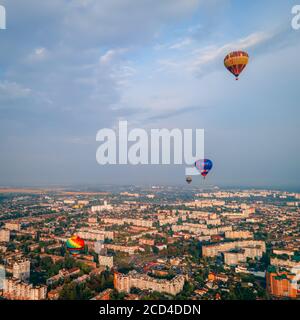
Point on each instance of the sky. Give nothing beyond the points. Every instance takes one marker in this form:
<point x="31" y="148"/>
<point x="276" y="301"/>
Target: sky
<point x="69" y="68"/>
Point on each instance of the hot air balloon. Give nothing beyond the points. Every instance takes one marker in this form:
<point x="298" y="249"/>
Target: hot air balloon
<point x="189" y="179"/>
<point x="235" y="62"/>
<point x="204" y="166"/>
<point x="75" y="245"/>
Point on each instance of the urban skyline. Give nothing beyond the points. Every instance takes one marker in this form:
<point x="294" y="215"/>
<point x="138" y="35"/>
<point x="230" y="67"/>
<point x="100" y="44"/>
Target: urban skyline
<point x="156" y="243"/>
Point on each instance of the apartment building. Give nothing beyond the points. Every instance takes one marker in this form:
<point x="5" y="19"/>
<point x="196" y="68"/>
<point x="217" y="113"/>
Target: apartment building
<point x="280" y="284"/>
<point x="215" y="249"/>
<point x="133" y="279"/>
<point x="21" y="269"/>
<point x="238" y="235"/>
<point x="4" y="235"/>
<point x="15" y="289"/>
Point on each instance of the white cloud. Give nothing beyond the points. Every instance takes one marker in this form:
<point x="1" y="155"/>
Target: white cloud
<point x="181" y="44"/>
<point x="199" y="58"/>
<point x="13" y="90"/>
<point x="111" y="54"/>
<point x="209" y="54"/>
<point x="38" y="54"/>
<point x="175" y="86"/>
<point x="123" y="21"/>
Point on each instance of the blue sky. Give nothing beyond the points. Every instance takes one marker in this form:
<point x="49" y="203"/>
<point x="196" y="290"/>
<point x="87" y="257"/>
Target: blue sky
<point x="70" y="68"/>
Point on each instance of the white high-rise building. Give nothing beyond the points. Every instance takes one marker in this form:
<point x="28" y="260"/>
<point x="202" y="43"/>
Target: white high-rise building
<point x="21" y="269"/>
<point x="98" y="246"/>
<point x="103" y="207"/>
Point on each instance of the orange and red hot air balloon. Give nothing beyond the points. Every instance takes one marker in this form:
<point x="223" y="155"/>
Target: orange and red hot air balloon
<point x="235" y="62"/>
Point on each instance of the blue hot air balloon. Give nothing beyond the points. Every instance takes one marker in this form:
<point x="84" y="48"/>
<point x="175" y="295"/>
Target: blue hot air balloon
<point x="204" y="166"/>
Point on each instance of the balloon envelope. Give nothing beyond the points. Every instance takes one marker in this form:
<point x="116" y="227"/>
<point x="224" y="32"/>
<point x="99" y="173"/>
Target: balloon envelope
<point x="188" y="179"/>
<point x="236" y="61"/>
<point x="204" y="166"/>
<point x="75" y="245"/>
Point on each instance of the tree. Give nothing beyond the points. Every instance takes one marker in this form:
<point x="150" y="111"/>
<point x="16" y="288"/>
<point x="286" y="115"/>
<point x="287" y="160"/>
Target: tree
<point x="73" y="291"/>
<point x="186" y="292"/>
<point x="115" y="295"/>
<point x="155" y="250"/>
<point x="242" y="293"/>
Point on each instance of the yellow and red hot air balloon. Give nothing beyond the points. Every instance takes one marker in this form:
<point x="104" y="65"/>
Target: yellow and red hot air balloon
<point x="235" y="62"/>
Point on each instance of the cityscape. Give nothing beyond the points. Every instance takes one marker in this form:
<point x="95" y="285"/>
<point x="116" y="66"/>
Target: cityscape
<point x="150" y="243"/>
